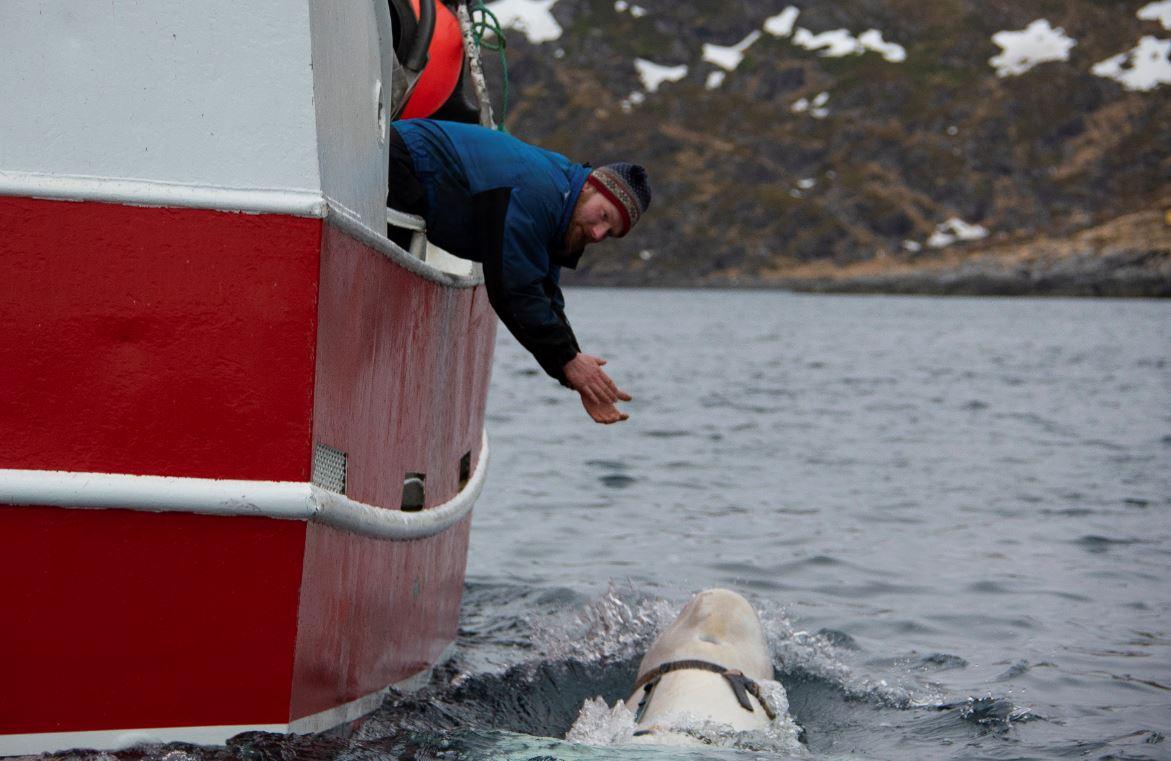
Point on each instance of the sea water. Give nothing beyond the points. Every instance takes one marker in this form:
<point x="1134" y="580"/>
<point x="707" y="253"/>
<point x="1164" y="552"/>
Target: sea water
<point x="954" y="516"/>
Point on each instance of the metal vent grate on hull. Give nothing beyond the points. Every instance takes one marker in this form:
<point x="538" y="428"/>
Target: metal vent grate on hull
<point x="329" y="468"/>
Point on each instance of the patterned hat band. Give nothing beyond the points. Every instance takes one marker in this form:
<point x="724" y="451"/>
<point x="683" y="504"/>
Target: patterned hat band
<point x="616" y="191"/>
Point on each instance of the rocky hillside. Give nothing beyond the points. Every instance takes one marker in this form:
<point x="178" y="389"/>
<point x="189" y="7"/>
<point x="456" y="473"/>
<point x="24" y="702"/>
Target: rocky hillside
<point x="798" y="143"/>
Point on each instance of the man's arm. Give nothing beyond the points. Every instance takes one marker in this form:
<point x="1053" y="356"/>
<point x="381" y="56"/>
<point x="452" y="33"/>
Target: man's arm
<point x="516" y="281"/>
<point x="529" y="303"/>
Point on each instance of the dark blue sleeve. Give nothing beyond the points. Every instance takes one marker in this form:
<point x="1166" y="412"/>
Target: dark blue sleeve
<point x="521" y="282"/>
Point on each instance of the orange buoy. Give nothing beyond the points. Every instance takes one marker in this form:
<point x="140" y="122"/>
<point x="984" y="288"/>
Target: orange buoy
<point x="445" y="59"/>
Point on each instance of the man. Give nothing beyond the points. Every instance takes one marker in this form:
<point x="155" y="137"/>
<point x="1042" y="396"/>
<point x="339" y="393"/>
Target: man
<point x="523" y="213"/>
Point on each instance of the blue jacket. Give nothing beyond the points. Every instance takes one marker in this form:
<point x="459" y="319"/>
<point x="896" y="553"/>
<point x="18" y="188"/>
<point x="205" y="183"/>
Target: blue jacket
<point x="504" y="203"/>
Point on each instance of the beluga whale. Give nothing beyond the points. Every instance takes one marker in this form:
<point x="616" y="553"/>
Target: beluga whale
<point x="707" y="679"/>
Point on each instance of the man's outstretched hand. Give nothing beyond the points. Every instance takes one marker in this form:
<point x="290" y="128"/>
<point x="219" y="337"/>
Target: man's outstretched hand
<point x="599" y="394"/>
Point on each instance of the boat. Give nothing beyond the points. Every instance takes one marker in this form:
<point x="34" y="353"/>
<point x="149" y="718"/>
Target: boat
<point x="241" y="432"/>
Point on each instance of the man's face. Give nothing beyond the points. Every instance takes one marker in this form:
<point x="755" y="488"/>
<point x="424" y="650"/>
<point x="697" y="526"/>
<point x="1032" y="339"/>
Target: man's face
<point x="594" y="219"/>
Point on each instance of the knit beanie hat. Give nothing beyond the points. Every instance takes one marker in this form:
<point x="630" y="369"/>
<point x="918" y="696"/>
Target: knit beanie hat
<point x="625" y="186"/>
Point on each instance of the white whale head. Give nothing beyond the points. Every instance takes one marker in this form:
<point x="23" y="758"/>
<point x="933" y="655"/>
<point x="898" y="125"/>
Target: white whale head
<point x="720" y="629"/>
<point x="706" y="679"/>
<point x="717" y="625"/>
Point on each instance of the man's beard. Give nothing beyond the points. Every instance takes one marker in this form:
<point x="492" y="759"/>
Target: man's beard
<point x="573" y="248"/>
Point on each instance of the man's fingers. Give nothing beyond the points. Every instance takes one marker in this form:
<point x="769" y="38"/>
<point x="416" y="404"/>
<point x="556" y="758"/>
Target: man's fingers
<point x="605" y="386"/>
<point x="623" y="396"/>
<point x="616" y="417"/>
<point x="609" y="418"/>
<point x="597" y="392"/>
<point x="604" y="413"/>
<point x="599" y="414"/>
<point x="598" y="395"/>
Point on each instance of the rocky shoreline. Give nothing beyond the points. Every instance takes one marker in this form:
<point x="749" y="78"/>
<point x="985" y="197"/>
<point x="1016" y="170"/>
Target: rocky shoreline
<point x="1129" y="257"/>
<point x="1135" y="274"/>
<point x="1126" y="257"/>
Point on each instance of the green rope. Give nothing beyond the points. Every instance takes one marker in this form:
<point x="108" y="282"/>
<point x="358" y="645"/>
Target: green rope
<point x="483" y="23"/>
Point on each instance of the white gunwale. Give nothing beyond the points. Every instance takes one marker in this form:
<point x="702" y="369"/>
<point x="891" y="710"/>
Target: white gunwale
<point x="156" y="193"/>
<point x="348" y="222"/>
<point x="285" y="500"/>
<point x="296" y="203"/>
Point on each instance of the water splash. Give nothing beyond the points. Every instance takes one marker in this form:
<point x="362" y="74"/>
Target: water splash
<point x="621" y="624"/>
<point x="600" y="725"/>
<point x="608" y="628"/>
<point x="991" y="712"/>
<point x="818" y="654"/>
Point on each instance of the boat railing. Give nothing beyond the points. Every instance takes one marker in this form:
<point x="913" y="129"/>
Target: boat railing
<point x="285" y="500"/>
<point x="416" y="225"/>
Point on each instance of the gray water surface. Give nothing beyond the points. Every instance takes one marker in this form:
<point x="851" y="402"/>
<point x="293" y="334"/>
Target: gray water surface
<point x="938" y="502"/>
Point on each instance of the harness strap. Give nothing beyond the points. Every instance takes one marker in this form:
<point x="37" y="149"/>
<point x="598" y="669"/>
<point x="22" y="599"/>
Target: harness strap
<point x="740" y="684"/>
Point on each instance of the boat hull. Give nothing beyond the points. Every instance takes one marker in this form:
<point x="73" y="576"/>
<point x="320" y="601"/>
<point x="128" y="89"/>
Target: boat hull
<point x="192" y="348"/>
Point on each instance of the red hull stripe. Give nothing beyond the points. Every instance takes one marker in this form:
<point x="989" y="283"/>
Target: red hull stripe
<point x="207" y="496"/>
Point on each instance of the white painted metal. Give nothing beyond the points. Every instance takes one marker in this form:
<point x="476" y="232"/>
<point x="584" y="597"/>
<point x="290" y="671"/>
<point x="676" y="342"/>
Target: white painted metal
<point x="445" y="262"/>
<point x="119" y="739"/>
<point x="272" y="499"/>
<point x="349" y="70"/>
<point x="299" y="203"/>
<point x="209" y="496"/>
<point x="415" y="223"/>
<point x="439" y="266"/>
<point x="406" y="221"/>
<point x="273" y="106"/>
<point x="338" y="715"/>
<point x="197" y="93"/>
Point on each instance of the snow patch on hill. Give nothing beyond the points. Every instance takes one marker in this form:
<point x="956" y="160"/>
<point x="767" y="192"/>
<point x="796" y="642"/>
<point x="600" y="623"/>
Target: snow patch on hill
<point x="1024" y="49"/>
<point x="534" y="18"/>
<point x="728" y="58"/>
<point x="839" y="42"/>
<point x="781" y="25"/>
<point x="1144" y="67"/>
<point x="1160" y="12"/>
<point x="815" y="108"/>
<point x="955" y="229"/>
<point x="654" y="74"/>
<point x="621" y="6"/>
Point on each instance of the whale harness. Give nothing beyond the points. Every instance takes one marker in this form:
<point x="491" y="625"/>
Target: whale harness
<point x="740" y="684"/>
